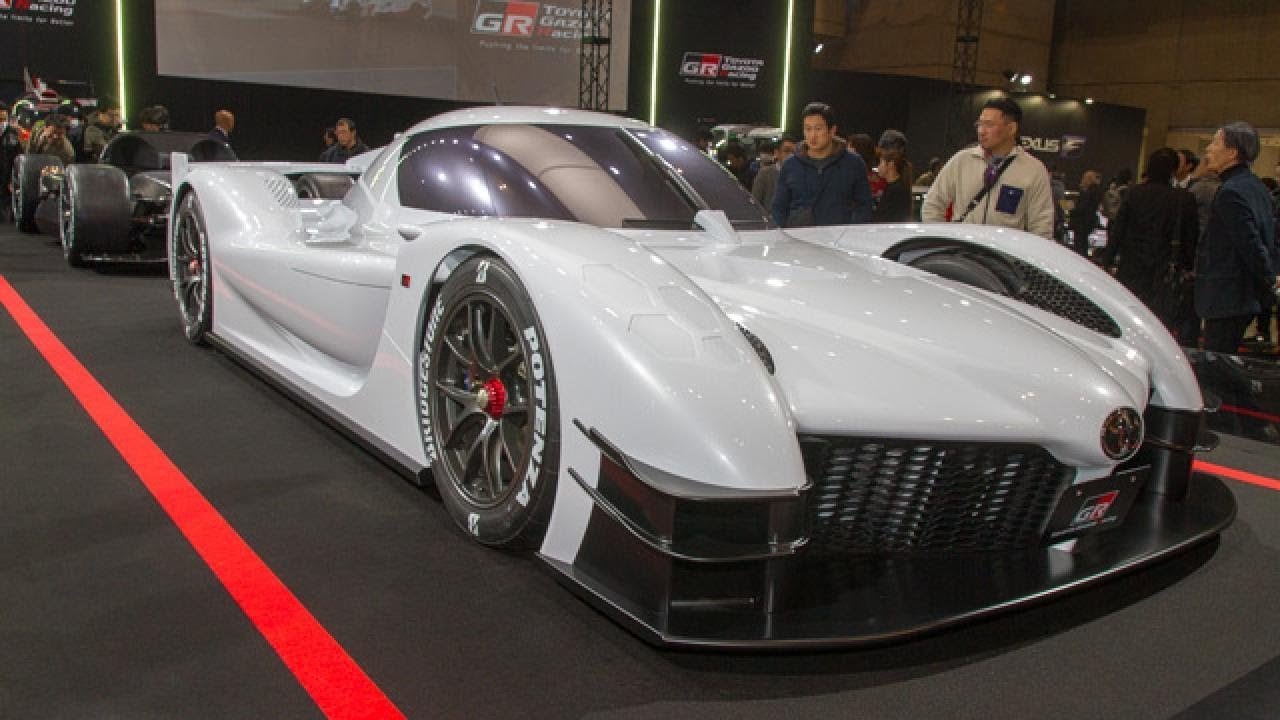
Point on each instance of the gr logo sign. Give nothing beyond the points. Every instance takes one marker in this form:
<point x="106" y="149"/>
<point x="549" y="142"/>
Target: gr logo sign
<point x="696" y="64"/>
<point x="515" y="19"/>
<point x="1096" y="508"/>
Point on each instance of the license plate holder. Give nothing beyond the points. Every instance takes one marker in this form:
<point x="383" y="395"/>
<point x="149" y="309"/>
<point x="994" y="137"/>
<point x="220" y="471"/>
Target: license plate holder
<point x="1096" y="505"/>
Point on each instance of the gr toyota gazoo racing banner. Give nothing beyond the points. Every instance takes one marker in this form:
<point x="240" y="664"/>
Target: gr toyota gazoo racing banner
<point x="712" y="78"/>
<point x="510" y="51"/>
<point x="38" y="12"/>
<point x="531" y="52"/>
<point x="547" y="21"/>
<point x="697" y="68"/>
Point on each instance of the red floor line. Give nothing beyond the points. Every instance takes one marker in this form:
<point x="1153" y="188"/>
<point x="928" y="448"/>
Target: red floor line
<point x="329" y="675"/>
<point x="1250" y="413"/>
<point x="1240" y="475"/>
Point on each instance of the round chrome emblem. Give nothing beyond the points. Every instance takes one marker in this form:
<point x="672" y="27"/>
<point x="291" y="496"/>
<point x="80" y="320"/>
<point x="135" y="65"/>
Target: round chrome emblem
<point x="1122" y="434"/>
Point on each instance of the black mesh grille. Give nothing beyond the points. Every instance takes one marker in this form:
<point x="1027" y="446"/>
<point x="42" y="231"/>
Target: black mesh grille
<point x="1051" y="294"/>
<point x="912" y="496"/>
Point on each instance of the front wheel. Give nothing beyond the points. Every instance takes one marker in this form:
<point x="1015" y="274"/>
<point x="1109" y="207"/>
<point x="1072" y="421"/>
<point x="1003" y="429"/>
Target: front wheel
<point x="95" y="213"/>
<point x="189" y="269"/>
<point x="488" y="407"/>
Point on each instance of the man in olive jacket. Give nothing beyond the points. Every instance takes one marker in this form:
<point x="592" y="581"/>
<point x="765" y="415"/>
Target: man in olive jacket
<point x="823" y="183"/>
<point x="1237" y="258"/>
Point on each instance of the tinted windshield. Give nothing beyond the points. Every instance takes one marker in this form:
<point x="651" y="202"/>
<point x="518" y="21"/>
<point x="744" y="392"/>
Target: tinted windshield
<point x="604" y="176"/>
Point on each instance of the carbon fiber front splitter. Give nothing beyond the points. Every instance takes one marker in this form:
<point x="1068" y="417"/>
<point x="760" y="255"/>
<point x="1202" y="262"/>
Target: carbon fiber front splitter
<point x="808" y="600"/>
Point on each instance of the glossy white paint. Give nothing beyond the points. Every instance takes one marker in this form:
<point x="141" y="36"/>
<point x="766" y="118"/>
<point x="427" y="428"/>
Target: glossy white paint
<point x="642" y="337"/>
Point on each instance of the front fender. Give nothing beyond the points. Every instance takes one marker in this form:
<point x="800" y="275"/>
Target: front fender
<point x="645" y="359"/>
<point x="643" y="356"/>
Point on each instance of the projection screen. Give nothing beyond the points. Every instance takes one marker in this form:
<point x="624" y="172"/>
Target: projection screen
<point x="507" y="51"/>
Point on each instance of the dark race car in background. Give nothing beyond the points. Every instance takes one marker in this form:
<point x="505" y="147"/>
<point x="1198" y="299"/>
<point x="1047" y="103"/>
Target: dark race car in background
<point x="117" y="210"/>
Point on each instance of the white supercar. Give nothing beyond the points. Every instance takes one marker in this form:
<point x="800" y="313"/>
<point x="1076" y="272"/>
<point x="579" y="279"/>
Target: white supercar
<point x="594" y="342"/>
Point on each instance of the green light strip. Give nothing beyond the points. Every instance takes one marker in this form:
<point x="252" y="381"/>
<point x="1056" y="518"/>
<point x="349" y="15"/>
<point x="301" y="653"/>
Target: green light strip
<point x="120" y="55"/>
<point x="786" y="67"/>
<point x="653" y="73"/>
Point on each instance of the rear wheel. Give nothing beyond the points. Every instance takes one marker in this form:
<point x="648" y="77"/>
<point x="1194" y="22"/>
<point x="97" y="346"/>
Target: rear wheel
<point x="487" y="405"/>
<point x="27" y="171"/>
<point x="95" y="213"/>
<point x="963" y="268"/>
<point x="322" y="186"/>
<point x="189" y="269"/>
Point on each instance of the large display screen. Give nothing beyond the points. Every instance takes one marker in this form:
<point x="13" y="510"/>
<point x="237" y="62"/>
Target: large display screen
<point x="508" y="51"/>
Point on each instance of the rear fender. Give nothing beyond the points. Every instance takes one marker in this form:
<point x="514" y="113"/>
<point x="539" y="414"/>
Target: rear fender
<point x="1173" y="383"/>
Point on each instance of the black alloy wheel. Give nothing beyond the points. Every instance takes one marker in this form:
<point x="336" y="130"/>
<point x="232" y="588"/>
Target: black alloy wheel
<point x="189" y="269"/>
<point x="487" y="404"/>
<point x="71" y="250"/>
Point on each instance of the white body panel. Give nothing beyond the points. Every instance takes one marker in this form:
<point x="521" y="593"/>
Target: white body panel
<point x="642" y="336"/>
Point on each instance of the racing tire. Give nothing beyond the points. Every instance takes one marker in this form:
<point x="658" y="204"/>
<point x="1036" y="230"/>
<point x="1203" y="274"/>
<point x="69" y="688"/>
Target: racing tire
<point x="95" y="213"/>
<point x="487" y="406"/>
<point x="963" y="269"/>
<point x="190" y="270"/>
<point x="27" y="170"/>
<point x="323" y="186"/>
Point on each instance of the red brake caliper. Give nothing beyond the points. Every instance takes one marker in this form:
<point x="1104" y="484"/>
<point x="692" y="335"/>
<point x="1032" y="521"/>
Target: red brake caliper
<point x="497" y="397"/>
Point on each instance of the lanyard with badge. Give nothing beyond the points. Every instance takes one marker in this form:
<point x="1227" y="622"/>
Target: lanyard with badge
<point x="987" y="184"/>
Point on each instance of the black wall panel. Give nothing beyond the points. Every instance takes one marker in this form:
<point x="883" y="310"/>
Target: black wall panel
<point x="73" y="43"/>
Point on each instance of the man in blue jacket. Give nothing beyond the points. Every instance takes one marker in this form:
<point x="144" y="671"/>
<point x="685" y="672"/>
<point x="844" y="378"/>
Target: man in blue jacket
<point x="1236" y="259"/>
<point x="823" y="183"/>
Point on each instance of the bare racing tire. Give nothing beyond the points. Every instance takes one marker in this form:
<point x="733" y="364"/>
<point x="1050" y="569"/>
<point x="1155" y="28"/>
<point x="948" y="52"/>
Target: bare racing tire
<point x="27" y="171"/>
<point x="965" y="269"/>
<point x="96" y="213"/>
<point x="487" y="406"/>
<point x="323" y="186"/>
<point x="189" y="268"/>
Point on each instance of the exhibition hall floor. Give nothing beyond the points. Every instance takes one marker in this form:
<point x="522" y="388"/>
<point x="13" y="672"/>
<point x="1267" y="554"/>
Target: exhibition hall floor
<point x="317" y="581"/>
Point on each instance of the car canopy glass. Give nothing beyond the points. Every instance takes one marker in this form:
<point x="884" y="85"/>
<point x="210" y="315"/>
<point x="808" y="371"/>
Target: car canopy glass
<point x="604" y="176"/>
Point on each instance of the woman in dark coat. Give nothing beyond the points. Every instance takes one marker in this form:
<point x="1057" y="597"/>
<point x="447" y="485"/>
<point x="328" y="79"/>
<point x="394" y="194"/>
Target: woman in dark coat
<point x="1155" y="229"/>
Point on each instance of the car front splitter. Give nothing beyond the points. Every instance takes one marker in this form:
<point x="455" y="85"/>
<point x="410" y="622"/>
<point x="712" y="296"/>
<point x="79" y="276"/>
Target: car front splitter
<point x="811" y="600"/>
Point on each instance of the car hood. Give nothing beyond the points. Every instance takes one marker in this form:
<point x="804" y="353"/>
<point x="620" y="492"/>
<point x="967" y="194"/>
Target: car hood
<point x="867" y="347"/>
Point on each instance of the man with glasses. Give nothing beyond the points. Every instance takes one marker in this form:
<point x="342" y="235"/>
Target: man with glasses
<point x="995" y="182"/>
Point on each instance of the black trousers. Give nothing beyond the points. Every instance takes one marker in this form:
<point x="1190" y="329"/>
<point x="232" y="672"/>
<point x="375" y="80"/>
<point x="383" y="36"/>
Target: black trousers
<point x="1224" y="334"/>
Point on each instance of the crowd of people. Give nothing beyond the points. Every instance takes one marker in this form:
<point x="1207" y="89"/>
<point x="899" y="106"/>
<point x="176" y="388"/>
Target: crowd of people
<point x="73" y="133"/>
<point x="1195" y="239"/>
